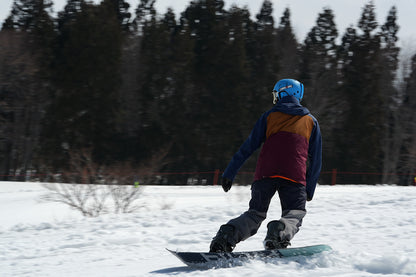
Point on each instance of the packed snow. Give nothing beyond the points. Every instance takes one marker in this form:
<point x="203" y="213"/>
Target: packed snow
<point x="372" y="230"/>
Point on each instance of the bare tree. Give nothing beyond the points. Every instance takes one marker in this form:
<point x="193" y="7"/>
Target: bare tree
<point x="90" y="200"/>
<point x="106" y="188"/>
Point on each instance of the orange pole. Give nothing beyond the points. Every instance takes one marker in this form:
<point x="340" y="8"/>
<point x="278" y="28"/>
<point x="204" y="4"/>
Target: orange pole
<point x="334" y="177"/>
<point x="216" y="176"/>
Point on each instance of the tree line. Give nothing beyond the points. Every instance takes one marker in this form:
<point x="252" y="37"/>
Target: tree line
<point x="100" y="84"/>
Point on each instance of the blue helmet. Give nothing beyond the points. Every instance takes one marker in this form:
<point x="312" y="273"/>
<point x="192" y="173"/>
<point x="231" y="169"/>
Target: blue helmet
<point x="287" y="87"/>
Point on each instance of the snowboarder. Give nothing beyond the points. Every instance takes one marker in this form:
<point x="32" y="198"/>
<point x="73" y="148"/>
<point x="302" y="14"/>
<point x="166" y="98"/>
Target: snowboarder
<point x="289" y="163"/>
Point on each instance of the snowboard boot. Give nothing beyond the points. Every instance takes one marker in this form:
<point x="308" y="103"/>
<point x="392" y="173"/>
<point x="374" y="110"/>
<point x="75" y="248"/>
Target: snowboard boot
<point x="273" y="239"/>
<point x="222" y="242"/>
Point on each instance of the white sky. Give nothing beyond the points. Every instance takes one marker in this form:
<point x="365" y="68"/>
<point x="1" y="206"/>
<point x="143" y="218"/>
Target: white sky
<point x="303" y="13"/>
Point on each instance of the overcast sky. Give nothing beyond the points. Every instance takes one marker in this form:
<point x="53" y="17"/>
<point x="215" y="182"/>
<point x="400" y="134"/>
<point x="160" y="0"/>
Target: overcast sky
<point x="303" y="13"/>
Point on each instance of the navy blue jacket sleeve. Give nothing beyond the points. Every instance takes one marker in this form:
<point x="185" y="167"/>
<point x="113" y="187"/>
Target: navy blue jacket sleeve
<point x="315" y="160"/>
<point x="252" y="143"/>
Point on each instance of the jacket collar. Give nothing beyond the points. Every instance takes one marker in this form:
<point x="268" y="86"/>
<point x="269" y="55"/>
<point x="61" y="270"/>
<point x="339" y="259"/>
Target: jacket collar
<point x="290" y="105"/>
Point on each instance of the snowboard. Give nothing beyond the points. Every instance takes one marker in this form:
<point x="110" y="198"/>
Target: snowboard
<point x="201" y="259"/>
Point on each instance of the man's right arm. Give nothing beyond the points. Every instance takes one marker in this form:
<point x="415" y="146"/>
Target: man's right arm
<point x="251" y="144"/>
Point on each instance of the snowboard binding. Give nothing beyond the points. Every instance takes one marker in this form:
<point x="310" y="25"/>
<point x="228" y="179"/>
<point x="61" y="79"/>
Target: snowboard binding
<point x="222" y="241"/>
<point x="273" y="239"/>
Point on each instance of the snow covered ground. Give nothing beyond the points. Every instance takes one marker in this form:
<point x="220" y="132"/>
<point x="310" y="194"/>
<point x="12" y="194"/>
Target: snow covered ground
<point x="372" y="230"/>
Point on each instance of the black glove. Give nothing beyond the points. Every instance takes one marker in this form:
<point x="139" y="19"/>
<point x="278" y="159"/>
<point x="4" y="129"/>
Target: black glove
<point x="226" y="183"/>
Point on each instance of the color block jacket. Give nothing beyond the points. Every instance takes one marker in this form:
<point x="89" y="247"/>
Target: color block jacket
<point x="291" y="138"/>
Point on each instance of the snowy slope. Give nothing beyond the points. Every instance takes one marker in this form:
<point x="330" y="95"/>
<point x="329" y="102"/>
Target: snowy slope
<point x="372" y="230"/>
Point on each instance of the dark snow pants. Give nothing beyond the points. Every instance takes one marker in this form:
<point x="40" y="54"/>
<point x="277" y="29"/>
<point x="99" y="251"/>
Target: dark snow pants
<point x="292" y="199"/>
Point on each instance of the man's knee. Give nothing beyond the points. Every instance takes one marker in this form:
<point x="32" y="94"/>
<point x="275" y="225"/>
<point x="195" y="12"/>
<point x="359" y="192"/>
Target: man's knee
<point x="293" y="217"/>
<point x="247" y="224"/>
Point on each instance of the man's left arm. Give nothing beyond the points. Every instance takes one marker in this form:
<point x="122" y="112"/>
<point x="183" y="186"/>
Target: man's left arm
<point x="315" y="160"/>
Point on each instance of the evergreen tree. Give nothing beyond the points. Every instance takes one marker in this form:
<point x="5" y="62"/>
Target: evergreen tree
<point x="121" y="9"/>
<point x="393" y="133"/>
<point x="407" y="114"/>
<point x="235" y="80"/>
<point x="318" y="71"/>
<point x="193" y="88"/>
<point x="134" y="98"/>
<point x="33" y="17"/>
<point x="20" y="104"/>
<point x="28" y="15"/>
<point x="287" y="48"/>
<point x="319" y="49"/>
<point x="184" y="96"/>
<point x="263" y="61"/>
<point x="84" y="111"/>
<point x="31" y="27"/>
<point x="207" y="19"/>
<point x="265" y="18"/>
<point x="155" y="56"/>
<point x="145" y="14"/>
<point x="363" y="126"/>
